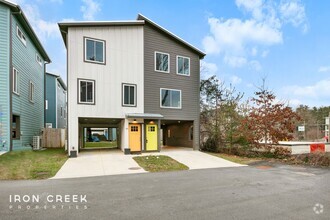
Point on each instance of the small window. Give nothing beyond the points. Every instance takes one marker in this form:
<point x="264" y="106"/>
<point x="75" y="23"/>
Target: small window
<point x="31" y="92"/>
<point x="15" y="81"/>
<point x="151" y="128"/>
<point x="61" y="111"/>
<point x="183" y="66"/>
<point x="170" y="98"/>
<point x="64" y="114"/>
<point x="86" y="91"/>
<point x="94" y="50"/>
<point x="129" y="95"/>
<point x="46" y="104"/>
<point x="38" y="59"/>
<point x="15" y="132"/>
<point x="134" y="128"/>
<point x="162" y="62"/>
<point x="21" y="36"/>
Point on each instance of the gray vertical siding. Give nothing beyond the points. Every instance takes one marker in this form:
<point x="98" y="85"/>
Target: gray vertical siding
<point x="153" y="81"/>
<point x="61" y="102"/>
<point x="51" y="99"/>
<point x="4" y="77"/>
<point x="31" y="114"/>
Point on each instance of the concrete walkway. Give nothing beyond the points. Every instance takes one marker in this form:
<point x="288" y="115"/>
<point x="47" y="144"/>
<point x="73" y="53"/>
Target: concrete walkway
<point x="101" y="162"/>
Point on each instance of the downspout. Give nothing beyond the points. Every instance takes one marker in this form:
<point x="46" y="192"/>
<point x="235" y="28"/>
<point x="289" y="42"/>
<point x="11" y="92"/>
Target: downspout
<point x="45" y="63"/>
<point x="10" y="83"/>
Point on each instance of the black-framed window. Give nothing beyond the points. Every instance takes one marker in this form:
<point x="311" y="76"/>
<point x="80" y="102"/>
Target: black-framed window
<point x="86" y="91"/>
<point x="170" y="98"/>
<point x="162" y="62"/>
<point x="16" y="124"/>
<point x="129" y="95"/>
<point x="183" y="65"/>
<point x="94" y="50"/>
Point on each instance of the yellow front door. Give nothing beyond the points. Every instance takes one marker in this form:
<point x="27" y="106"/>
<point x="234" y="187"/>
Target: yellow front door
<point x="152" y="143"/>
<point x="135" y="137"/>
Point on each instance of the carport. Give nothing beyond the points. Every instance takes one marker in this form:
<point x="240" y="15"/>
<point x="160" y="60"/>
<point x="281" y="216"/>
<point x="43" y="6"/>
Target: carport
<point x="100" y="131"/>
<point x="177" y="133"/>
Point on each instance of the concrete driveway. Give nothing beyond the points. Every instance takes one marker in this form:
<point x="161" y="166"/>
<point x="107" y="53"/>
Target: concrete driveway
<point x="114" y="162"/>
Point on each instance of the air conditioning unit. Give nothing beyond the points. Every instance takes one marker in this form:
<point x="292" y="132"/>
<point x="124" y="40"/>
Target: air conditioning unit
<point x="36" y="142"/>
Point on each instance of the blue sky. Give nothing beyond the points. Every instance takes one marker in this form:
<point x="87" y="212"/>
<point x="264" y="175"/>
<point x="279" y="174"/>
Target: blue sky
<point x="288" y="42"/>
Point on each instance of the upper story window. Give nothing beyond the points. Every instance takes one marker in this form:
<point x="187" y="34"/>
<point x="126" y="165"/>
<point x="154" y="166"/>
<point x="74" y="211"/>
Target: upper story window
<point x="38" y="59"/>
<point x="31" y="92"/>
<point x="170" y="98"/>
<point x="162" y="62"/>
<point x="94" y="50"/>
<point x="129" y="95"/>
<point x="21" y="36"/>
<point x="15" y="81"/>
<point x="183" y="65"/>
<point x="86" y="91"/>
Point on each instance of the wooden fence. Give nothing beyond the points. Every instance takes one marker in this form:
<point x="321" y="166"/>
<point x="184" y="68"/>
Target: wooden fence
<point x="53" y="137"/>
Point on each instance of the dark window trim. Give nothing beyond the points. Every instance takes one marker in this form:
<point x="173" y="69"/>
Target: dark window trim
<point x="78" y="92"/>
<point x="18" y="131"/>
<point x="104" y="49"/>
<point x="122" y="95"/>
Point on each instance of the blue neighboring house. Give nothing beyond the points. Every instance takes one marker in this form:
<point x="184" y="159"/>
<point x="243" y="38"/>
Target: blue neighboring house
<point x="22" y="79"/>
<point x="55" y="101"/>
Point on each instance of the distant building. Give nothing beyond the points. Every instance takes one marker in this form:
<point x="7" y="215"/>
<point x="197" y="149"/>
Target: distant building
<point x="22" y="79"/>
<point x="55" y="103"/>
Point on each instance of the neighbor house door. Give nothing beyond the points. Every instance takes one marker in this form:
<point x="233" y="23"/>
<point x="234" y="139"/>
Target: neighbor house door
<point x="151" y="138"/>
<point x="135" y="137"/>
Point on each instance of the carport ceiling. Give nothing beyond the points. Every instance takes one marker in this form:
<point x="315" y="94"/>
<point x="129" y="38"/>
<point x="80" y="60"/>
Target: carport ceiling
<point x="98" y="121"/>
<point x="172" y="122"/>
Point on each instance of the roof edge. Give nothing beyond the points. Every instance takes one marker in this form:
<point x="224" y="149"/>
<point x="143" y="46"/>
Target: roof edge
<point x="142" y="17"/>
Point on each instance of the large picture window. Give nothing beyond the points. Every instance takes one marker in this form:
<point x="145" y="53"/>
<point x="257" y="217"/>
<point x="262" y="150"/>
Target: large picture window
<point x="94" y="50"/>
<point x="183" y="66"/>
<point x="170" y="98"/>
<point x="129" y="95"/>
<point x="86" y="91"/>
<point x="162" y="62"/>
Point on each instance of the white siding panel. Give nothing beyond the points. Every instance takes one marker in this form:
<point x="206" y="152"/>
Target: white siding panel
<point x="124" y="64"/>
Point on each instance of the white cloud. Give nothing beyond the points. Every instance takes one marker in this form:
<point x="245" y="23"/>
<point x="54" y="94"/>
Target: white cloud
<point x="264" y="53"/>
<point x="324" y="69"/>
<point x="235" y="80"/>
<point x="89" y="9"/>
<point x="318" y="90"/>
<point x="235" y="61"/>
<point x="44" y="29"/>
<point x="293" y="11"/>
<point x="253" y="6"/>
<point x="233" y="35"/>
<point x="208" y="69"/>
<point x="254" y="51"/>
<point x="255" y="65"/>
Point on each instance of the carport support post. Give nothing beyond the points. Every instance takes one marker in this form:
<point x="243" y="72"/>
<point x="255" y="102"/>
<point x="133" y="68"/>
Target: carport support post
<point x="196" y="130"/>
<point x="158" y="134"/>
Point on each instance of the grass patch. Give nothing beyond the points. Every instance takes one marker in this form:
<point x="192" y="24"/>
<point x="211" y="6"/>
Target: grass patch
<point x="101" y="144"/>
<point x="236" y="159"/>
<point x="159" y="163"/>
<point x="28" y="164"/>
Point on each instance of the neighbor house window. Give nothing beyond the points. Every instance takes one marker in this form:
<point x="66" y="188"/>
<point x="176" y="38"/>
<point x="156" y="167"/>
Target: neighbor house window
<point x="183" y="65"/>
<point x="162" y="62"/>
<point x="86" y="91"/>
<point x="15" y="132"/>
<point x="129" y="95"/>
<point x="94" y="50"/>
<point x="170" y="98"/>
<point x="46" y="104"/>
<point x="38" y="59"/>
<point x="31" y="92"/>
<point x="21" y="36"/>
<point x="15" y="81"/>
